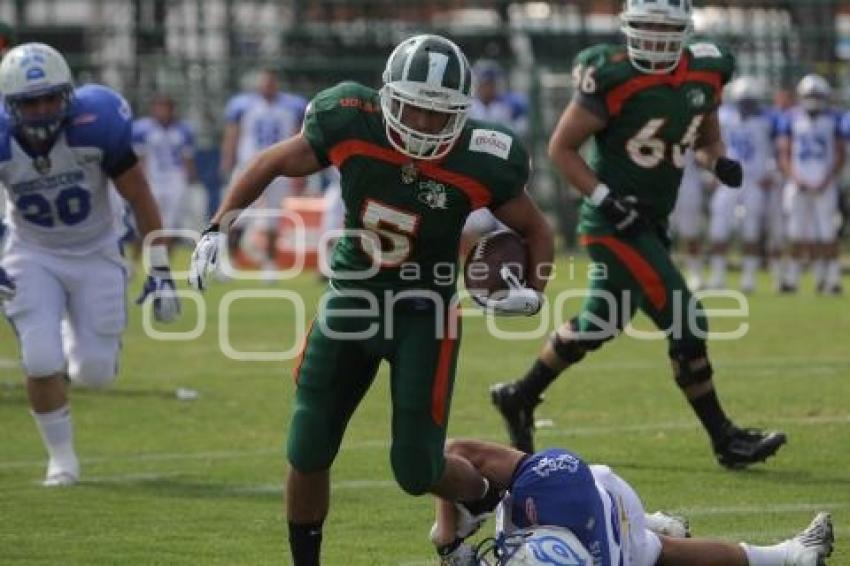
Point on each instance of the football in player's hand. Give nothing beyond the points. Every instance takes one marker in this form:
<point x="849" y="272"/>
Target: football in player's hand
<point x="494" y="252"/>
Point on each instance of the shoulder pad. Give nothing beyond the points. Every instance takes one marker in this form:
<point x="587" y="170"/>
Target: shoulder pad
<point x="709" y="56"/>
<point x="599" y="68"/>
<point x="346" y="96"/>
<point x="101" y="101"/>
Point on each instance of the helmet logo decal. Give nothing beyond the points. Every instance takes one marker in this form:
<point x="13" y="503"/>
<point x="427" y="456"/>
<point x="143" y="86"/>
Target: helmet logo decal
<point x="35" y="73"/>
<point x="437" y="63"/>
<point x="696" y="98"/>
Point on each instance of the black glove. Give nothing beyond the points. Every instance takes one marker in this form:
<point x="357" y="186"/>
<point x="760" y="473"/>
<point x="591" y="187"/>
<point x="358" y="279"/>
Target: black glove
<point x="621" y="212"/>
<point x="729" y="172"/>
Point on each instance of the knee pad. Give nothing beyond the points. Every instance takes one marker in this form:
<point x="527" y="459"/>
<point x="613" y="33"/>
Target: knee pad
<point x="416" y="469"/>
<point x="41" y="357"/>
<point x="94" y="372"/>
<point x="684" y="358"/>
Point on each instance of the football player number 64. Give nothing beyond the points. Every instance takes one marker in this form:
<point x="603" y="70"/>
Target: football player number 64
<point x="392" y="229"/>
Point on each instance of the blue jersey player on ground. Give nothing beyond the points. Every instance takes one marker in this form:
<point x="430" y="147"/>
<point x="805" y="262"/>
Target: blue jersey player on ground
<point x="555" y="509"/>
<point x="59" y="148"/>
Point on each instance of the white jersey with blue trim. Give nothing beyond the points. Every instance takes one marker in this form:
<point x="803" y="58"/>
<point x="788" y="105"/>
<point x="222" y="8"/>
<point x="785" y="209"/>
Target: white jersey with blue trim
<point x="263" y="122"/>
<point x="165" y="147"/>
<point x="59" y="201"/>
<point x="616" y="539"/>
<point x="750" y="140"/>
<point x="813" y="142"/>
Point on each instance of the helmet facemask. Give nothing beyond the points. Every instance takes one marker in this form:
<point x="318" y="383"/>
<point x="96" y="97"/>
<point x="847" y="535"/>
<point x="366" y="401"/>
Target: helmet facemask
<point x="41" y="128"/>
<point x="426" y="73"/>
<point x="655" y="38"/>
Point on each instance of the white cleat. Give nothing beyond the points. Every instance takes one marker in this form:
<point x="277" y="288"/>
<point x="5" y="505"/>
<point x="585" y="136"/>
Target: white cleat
<point x="457" y="554"/>
<point x="812" y="546"/>
<point x="674" y="526"/>
<point x="62" y="475"/>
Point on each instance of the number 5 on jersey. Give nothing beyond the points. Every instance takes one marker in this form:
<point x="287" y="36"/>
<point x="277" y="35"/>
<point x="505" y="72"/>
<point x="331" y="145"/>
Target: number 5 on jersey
<point x="390" y="231"/>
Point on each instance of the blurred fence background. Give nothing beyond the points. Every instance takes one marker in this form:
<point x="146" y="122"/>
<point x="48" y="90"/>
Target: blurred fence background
<point x="203" y="51"/>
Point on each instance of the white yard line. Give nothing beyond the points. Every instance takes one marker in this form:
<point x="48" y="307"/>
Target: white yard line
<point x="382" y="444"/>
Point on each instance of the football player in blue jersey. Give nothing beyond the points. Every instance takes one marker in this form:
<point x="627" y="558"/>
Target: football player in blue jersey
<point x="59" y="148"/>
<point x="553" y="508"/>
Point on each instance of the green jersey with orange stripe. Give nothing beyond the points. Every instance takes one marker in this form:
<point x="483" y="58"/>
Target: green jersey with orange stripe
<point x="651" y="121"/>
<point x="403" y="218"/>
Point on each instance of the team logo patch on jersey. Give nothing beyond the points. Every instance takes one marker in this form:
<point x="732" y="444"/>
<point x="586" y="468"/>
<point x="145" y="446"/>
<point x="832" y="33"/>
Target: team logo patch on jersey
<point x="409" y="173"/>
<point x="491" y="141"/>
<point x="42" y="164"/>
<point x="696" y="98"/>
<point x="432" y="194"/>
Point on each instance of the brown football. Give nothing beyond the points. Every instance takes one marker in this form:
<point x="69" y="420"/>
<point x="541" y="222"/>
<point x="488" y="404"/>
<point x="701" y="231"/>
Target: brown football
<point x="482" y="271"/>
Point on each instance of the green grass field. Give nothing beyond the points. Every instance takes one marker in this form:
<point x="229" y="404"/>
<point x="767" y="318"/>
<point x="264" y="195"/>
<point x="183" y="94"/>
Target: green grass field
<point x="198" y="482"/>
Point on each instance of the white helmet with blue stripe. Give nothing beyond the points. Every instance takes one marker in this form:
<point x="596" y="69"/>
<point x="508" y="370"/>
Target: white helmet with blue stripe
<point x="539" y="546"/>
<point x="31" y="71"/>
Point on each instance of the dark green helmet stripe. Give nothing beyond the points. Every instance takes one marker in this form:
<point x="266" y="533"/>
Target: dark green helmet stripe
<point x="432" y="60"/>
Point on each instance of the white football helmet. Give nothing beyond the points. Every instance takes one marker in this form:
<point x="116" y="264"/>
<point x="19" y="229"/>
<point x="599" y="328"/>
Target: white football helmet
<point x="30" y="71"/>
<point x="656" y="31"/>
<point x="746" y="88"/>
<point x="814" y="93"/>
<point x="541" y="546"/>
<point x="430" y="72"/>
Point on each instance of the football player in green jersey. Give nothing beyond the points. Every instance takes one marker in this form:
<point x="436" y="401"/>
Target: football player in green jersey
<point x="412" y="167"/>
<point x="644" y="105"/>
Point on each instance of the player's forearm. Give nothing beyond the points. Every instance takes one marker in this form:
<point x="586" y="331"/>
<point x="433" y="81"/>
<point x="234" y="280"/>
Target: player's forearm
<point x="541" y="254"/>
<point x="133" y="186"/>
<point x="574" y="169"/>
<point x="246" y="188"/>
<point x="708" y="155"/>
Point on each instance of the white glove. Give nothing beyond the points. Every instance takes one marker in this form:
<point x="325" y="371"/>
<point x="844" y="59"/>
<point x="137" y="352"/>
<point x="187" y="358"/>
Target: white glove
<point x="7" y="286"/>
<point x="519" y="301"/>
<point x="205" y="257"/>
<point x="160" y="285"/>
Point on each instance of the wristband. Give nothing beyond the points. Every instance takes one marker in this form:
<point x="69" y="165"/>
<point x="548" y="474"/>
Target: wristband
<point x="599" y="193"/>
<point x="158" y="256"/>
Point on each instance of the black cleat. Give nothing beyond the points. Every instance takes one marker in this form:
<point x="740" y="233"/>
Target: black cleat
<point x="518" y="413"/>
<point x="744" y="446"/>
<point x="787" y="289"/>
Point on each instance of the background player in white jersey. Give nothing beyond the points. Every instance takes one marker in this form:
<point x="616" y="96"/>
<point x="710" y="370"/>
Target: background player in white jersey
<point x="811" y="155"/>
<point x="59" y="147"/>
<point x="588" y="515"/>
<point x="255" y="121"/>
<point x="687" y="220"/>
<point x="166" y="147"/>
<point x="748" y="129"/>
<point x="493" y="103"/>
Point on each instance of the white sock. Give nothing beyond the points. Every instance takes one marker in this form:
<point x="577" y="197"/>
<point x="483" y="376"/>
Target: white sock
<point x="833" y="273"/>
<point x="766" y="555"/>
<point x="57" y="432"/>
<point x="694" y="265"/>
<point x="718" y="270"/>
<point x="819" y="269"/>
<point x="776" y="270"/>
<point x="748" y="269"/>
<point x="792" y="277"/>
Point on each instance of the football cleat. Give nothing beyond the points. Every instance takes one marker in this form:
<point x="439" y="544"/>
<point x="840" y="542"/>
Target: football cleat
<point x="518" y="414"/>
<point x="674" y="526"/>
<point x="457" y="553"/>
<point x="61" y="475"/>
<point x="787" y="289"/>
<point x="741" y="447"/>
<point x="814" y="544"/>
